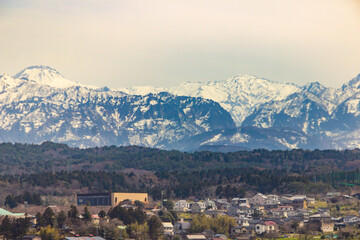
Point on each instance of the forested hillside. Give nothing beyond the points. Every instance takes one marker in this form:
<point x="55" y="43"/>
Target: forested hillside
<point x="52" y="157"/>
<point x="58" y="170"/>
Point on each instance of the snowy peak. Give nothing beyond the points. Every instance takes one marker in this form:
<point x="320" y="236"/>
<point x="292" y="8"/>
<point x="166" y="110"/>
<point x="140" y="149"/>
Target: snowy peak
<point x="46" y="76"/>
<point x="314" y="87"/>
<point x="353" y="83"/>
<point x="239" y="94"/>
<point x="7" y="82"/>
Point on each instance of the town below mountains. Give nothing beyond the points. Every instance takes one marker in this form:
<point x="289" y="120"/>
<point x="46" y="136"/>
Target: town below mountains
<point x="242" y="113"/>
<point x="53" y="191"/>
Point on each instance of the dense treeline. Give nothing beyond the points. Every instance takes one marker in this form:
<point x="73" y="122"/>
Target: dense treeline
<point x="95" y="181"/>
<point x="14" y="200"/>
<point x="56" y="157"/>
<point x="14" y="228"/>
<point x="228" y="182"/>
<point x="180" y="174"/>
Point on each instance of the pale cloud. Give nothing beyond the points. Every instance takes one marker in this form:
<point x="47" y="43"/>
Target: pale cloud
<point x="162" y="43"/>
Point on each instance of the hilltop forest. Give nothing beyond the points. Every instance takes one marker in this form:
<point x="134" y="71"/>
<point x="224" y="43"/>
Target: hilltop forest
<point x="56" y="169"/>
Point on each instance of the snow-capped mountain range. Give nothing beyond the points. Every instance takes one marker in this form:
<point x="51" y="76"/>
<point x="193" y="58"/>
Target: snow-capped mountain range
<point x="244" y="112"/>
<point x="239" y="95"/>
<point x="38" y="105"/>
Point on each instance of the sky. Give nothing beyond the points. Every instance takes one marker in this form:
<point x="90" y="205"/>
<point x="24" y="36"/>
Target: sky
<point x="124" y="43"/>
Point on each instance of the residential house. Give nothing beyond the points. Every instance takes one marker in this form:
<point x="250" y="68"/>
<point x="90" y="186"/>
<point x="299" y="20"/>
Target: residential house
<point x="243" y="221"/>
<point x="286" y="208"/>
<point x="351" y="219"/>
<point x="237" y="211"/>
<point x="31" y="237"/>
<point x="278" y="213"/>
<point x="181" y="227"/>
<point x="258" y="199"/>
<point x="209" y="204"/>
<point x="322" y="222"/>
<point x="181" y="206"/>
<point x="265" y="227"/>
<point x="197" y="207"/>
<point x="273" y="197"/>
<point x="332" y="194"/>
<point x="195" y="237"/>
<point x="222" y="204"/>
<point x="240" y="201"/>
<point x="327" y="226"/>
<point x="84" y="238"/>
<point x="220" y="237"/>
<point x="168" y="229"/>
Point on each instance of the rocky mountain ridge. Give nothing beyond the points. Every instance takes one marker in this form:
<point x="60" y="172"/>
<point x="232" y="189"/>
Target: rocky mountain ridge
<point x="244" y="112"/>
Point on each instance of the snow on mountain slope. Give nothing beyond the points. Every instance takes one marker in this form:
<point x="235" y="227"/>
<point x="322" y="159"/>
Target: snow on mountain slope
<point x="305" y="110"/>
<point x="41" y="105"/>
<point x="252" y="138"/>
<point x="46" y="76"/>
<point x="239" y="95"/>
<point x="7" y="82"/>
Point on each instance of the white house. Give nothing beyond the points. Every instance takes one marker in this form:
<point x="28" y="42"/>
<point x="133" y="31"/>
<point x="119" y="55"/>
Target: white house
<point x="195" y="237"/>
<point x="182" y="206"/>
<point x="168" y="229"/>
<point x="197" y="207"/>
<point x="258" y="199"/>
<point x="273" y="197"/>
<point x="182" y="226"/>
<point x="350" y="219"/>
<point x="265" y="227"/>
<point x="209" y="204"/>
<point x="243" y="221"/>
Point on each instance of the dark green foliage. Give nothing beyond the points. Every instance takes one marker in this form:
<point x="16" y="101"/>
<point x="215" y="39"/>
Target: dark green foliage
<point x="5" y="228"/>
<point x="73" y="212"/>
<point x="61" y="218"/>
<point x="14" y="229"/>
<point x="181" y="174"/>
<point x="168" y="204"/>
<point x="139" y="204"/>
<point x="47" y="156"/>
<point x="13" y="201"/>
<point x="99" y="181"/>
<point x="87" y="215"/>
<point x="128" y="216"/>
<point x="168" y="216"/>
<point x="10" y="201"/>
<point x="102" y="214"/>
<point x="154" y="228"/>
<point x="49" y="218"/>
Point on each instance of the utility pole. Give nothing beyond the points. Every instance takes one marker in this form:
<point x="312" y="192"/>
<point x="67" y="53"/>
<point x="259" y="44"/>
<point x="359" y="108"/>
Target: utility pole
<point x="162" y="200"/>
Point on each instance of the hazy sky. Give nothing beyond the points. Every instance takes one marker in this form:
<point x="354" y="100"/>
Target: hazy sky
<point x="164" y="42"/>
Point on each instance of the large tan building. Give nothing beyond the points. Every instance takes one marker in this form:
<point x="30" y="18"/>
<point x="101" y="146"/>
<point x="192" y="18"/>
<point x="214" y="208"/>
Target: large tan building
<point x="110" y="199"/>
<point x="116" y="198"/>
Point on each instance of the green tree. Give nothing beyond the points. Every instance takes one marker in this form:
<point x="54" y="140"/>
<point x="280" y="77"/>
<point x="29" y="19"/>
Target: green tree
<point x="49" y="217"/>
<point x="154" y="228"/>
<point x="168" y="204"/>
<point x="49" y="233"/>
<point x="5" y="228"/>
<point x="61" y="218"/>
<point x="102" y="214"/>
<point x="139" y="204"/>
<point x="139" y="231"/>
<point x="73" y="212"/>
<point x="87" y="215"/>
<point x="19" y="227"/>
<point x="10" y="201"/>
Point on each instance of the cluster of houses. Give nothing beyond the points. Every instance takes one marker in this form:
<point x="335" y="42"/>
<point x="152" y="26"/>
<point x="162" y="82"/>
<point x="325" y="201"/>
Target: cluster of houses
<point x="258" y="215"/>
<point x="261" y="214"/>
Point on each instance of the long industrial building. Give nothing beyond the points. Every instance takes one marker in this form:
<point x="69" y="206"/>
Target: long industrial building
<point x="109" y="199"/>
